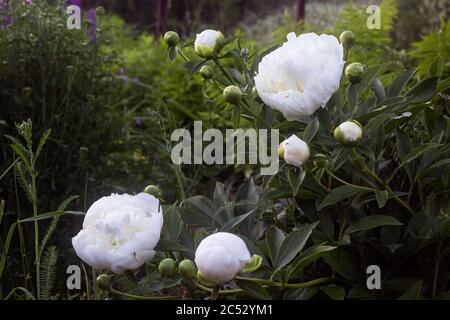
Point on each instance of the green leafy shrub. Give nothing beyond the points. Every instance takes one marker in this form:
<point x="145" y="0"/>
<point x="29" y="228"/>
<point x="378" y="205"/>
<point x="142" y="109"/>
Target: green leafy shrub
<point x="433" y="52"/>
<point x="60" y="80"/>
<point x="382" y="200"/>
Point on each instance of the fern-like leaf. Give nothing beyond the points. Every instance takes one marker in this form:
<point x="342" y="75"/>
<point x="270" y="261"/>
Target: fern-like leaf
<point x="51" y="228"/>
<point x="48" y="271"/>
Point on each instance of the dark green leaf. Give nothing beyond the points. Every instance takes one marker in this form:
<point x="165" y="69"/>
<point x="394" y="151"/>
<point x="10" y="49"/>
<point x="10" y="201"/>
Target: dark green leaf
<point x="338" y="194"/>
<point x="294" y="242"/>
<point x="169" y="245"/>
<point x="382" y="197"/>
<point x="274" y="239"/>
<point x="334" y="292"/>
<point x="296" y="177"/>
<point x="343" y="263"/>
<point x="311" y="130"/>
<point x="399" y="83"/>
<point x="371" y="222"/>
<point x="413" y="292"/>
<point x="199" y="211"/>
<point x="236" y="221"/>
<point x="423" y="91"/>
<point x="310" y="255"/>
<point x="253" y="289"/>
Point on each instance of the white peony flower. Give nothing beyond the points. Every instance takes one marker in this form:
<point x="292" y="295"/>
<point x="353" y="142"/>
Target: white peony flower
<point x="120" y="232"/>
<point x="348" y="132"/>
<point x="302" y="75"/>
<point x="294" y="150"/>
<point x="221" y="256"/>
<point x="208" y="42"/>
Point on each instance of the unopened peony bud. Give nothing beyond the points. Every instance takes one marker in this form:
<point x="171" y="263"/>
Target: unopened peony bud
<point x="172" y="38"/>
<point x="294" y="151"/>
<point x="207" y="72"/>
<point x="208" y="43"/>
<point x="100" y="11"/>
<point x="167" y="267"/>
<point x="232" y="94"/>
<point x="347" y="39"/>
<point x="187" y="269"/>
<point x="245" y="52"/>
<point x="354" y="71"/>
<point x="153" y="190"/>
<point x="348" y="132"/>
<point x="221" y="256"/>
<point x="27" y="92"/>
<point x="104" y="282"/>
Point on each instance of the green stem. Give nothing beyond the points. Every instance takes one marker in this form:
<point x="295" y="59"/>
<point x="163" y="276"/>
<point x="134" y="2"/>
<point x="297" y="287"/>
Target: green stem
<point x="224" y="71"/>
<point x="436" y="268"/>
<point x="287" y="285"/>
<point x="349" y="184"/>
<point x="183" y="55"/>
<point x="385" y="185"/>
<point x="245" y="103"/>
<point x="36" y="236"/>
<point x="136" y="297"/>
<point x="209" y="290"/>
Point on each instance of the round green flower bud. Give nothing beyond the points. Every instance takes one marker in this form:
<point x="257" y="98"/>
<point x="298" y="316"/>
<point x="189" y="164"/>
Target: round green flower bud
<point x="172" y="38"/>
<point x="104" y="282"/>
<point x="153" y="190"/>
<point x="167" y="267"/>
<point x="245" y="52"/>
<point x="27" y="91"/>
<point x="354" y="71"/>
<point x="232" y="94"/>
<point x="347" y="39"/>
<point x="187" y="269"/>
<point x="100" y="11"/>
<point x="207" y="72"/>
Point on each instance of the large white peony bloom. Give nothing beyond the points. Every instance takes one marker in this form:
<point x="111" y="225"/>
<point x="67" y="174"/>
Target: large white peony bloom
<point x="294" y="150"/>
<point x="120" y="232"/>
<point x="302" y="75"/>
<point x="221" y="256"/>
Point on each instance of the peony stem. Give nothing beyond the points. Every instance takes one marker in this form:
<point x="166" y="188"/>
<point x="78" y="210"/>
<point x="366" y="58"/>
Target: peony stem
<point x="350" y="184"/>
<point x="183" y="55"/>
<point x="224" y="71"/>
<point x="132" y="296"/>
<point x="383" y="184"/>
<point x="209" y="290"/>
<point x="287" y="285"/>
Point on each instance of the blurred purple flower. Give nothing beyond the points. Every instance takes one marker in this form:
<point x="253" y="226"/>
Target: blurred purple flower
<point x="6" y="20"/>
<point x="92" y="31"/>
<point x="138" y="123"/>
<point x="29" y="2"/>
<point x="75" y="2"/>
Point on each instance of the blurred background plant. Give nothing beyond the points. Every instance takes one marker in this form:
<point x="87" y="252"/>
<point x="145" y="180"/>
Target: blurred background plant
<point x="112" y="104"/>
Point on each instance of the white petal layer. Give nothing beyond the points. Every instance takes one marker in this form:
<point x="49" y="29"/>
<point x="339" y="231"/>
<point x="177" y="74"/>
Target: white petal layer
<point x="120" y="232"/>
<point x="302" y="75"/>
